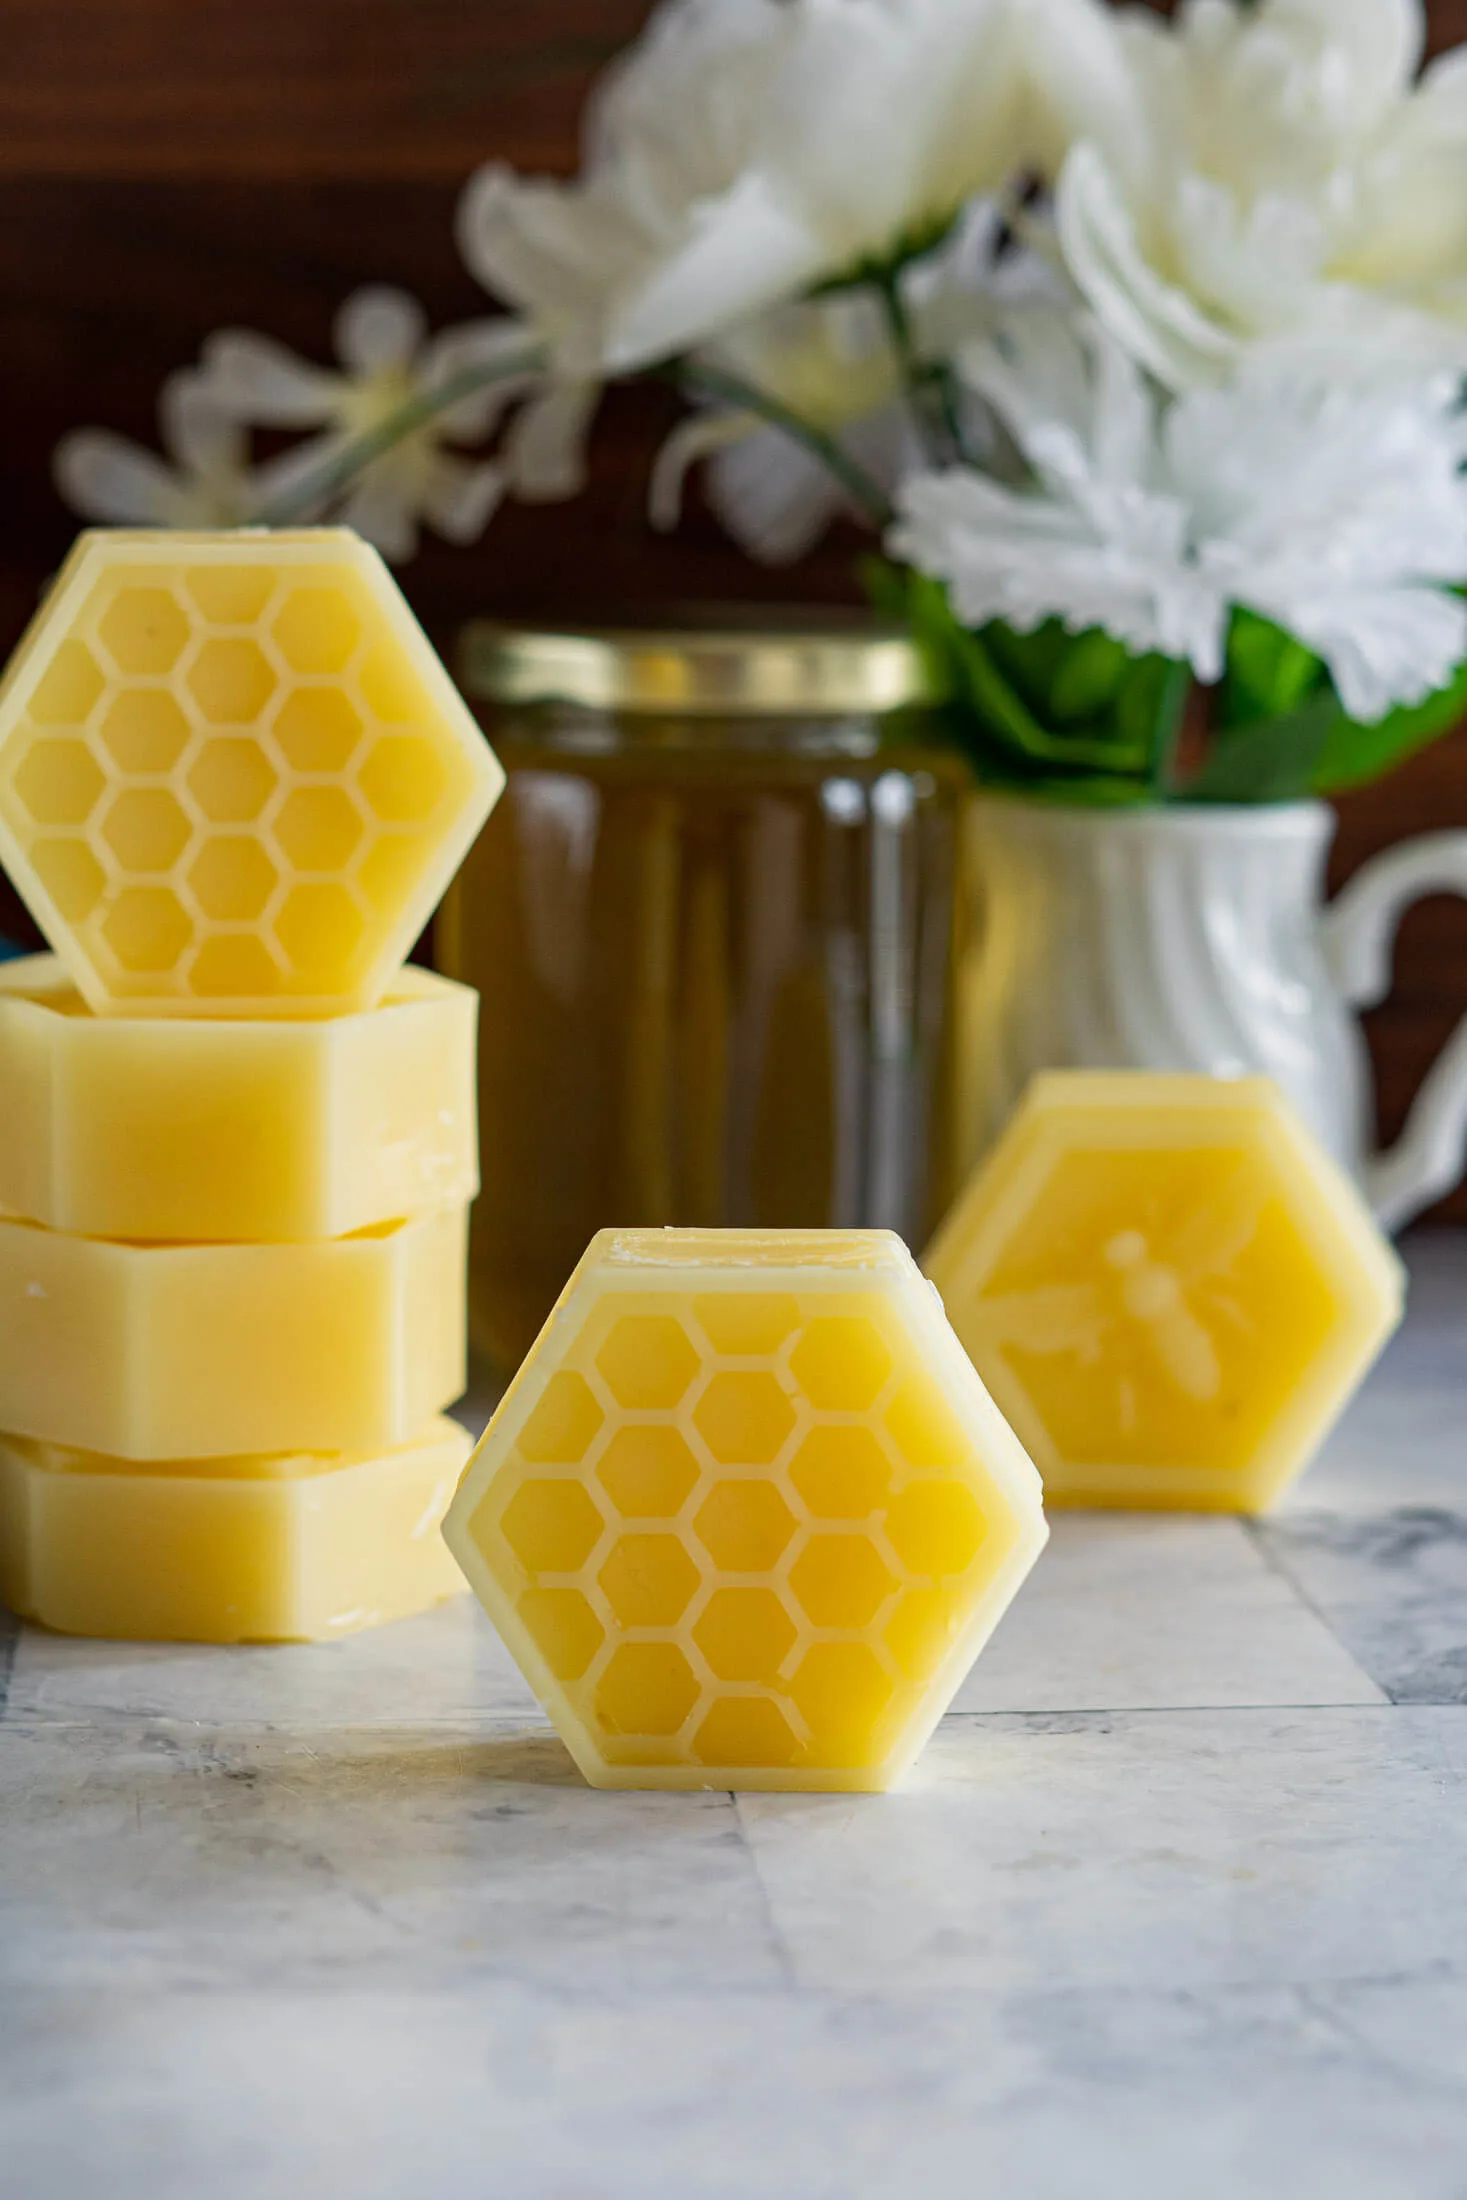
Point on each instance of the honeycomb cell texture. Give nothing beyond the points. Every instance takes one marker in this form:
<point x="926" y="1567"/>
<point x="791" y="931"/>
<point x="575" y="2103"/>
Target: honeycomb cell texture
<point x="1168" y="1286"/>
<point x="746" y="1515"/>
<point x="234" y="777"/>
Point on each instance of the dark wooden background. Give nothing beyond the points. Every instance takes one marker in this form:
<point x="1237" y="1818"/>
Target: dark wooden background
<point x="171" y="166"/>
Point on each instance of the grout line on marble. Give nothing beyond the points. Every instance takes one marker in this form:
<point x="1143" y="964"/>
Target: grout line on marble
<point x="1258" y="1535"/>
<point x="780" y="1948"/>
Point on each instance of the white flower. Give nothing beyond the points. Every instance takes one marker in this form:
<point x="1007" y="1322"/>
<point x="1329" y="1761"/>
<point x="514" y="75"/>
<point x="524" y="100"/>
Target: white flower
<point x="387" y="360"/>
<point x="205" y="481"/>
<point x="830" y="362"/>
<point x="1270" y="175"/>
<point x="1339" y="513"/>
<point x="742" y="153"/>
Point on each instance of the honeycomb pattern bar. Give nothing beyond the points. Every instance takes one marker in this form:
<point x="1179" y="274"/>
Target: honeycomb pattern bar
<point x="234" y="777"/>
<point x="1169" y="1287"/>
<point x="746" y="1522"/>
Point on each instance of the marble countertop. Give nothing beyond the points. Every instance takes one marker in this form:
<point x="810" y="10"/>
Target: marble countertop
<point x="1175" y="1904"/>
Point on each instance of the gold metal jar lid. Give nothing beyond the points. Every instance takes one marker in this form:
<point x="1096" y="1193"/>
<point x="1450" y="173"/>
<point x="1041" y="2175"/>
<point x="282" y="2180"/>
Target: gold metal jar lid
<point x="768" y="671"/>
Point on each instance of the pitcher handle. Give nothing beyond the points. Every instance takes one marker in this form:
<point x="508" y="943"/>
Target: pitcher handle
<point x="1359" y="937"/>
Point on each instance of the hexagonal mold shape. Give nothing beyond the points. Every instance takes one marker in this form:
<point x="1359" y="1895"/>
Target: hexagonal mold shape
<point x="1168" y="1286"/>
<point x="279" y="1548"/>
<point x="182" y="699"/>
<point x="214" y="1132"/>
<point x="690" y="1549"/>
<point x="336" y="1344"/>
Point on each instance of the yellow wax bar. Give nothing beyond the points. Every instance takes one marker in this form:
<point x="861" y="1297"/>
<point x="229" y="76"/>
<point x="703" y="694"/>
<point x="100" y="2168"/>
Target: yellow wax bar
<point x="237" y="1550"/>
<point x="207" y="1351"/>
<point x="746" y="1515"/>
<point x="1168" y="1286"/>
<point x="234" y="777"/>
<point x="205" y="1129"/>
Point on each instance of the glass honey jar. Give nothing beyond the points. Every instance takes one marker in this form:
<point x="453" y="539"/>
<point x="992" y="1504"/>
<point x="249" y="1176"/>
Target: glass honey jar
<point x="713" y="926"/>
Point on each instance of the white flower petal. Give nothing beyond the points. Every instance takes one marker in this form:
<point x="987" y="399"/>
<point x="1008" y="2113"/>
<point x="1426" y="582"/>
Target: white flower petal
<point x="829" y="364"/>
<point x="203" y="435"/>
<point x="1254" y="268"/>
<point x="259" y="380"/>
<point x="1375" y="47"/>
<point x="1355" y="335"/>
<point x="741" y="255"/>
<point x="1124" y="427"/>
<point x="539" y="247"/>
<point x="690" y="442"/>
<point x="545" y="450"/>
<point x="1439" y="112"/>
<point x="1157" y="322"/>
<point x="103" y="476"/>
<point x="460" y="496"/>
<point x="1384" y="648"/>
<point x="378" y="329"/>
<point x="932" y="94"/>
<point x="1033" y="368"/>
<point x="496" y="347"/>
<point x="560" y="254"/>
<point x="381" y="515"/>
<point x="1264" y="162"/>
<point x="1027" y="559"/>
<point x="1082" y="85"/>
<point x="1338" y="511"/>
<point x="955" y="294"/>
<point x="682" y="104"/>
<point x="742" y="152"/>
<point x="487" y="232"/>
<point x="828" y="361"/>
<point x="774" y="498"/>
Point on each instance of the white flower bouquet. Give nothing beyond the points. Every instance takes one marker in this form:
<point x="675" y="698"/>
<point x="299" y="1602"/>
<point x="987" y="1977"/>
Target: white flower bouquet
<point x="1139" y="345"/>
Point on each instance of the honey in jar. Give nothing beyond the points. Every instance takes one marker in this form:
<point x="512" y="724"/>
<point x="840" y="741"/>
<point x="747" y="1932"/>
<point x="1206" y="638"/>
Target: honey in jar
<point x="712" y="924"/>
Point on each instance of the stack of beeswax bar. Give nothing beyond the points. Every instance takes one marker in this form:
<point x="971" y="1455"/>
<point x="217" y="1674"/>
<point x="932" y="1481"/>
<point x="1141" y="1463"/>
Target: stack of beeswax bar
<point x="237" y="1136"/>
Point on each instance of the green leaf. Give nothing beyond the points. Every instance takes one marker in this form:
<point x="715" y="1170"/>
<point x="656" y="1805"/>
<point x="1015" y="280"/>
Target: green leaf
<point x="1096" y="747"/>
<point x="1154" y="701"/>
<point x="1054" y="715"/>
<point x="997" y="702"/>
<point x="1356" y="754"/>
<point x="1092" y="674"/>
<point x="1271" y="760"/>
<point x="888" y="588"/>
<point x="1031" y="661"/>
<point x="1065" y="678"/>
<point x="1269" y="674"/>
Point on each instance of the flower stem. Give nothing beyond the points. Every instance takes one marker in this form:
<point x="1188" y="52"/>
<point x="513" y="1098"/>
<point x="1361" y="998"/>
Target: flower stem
<point x="304" y="497"/>
<point x="864" y="492"/>
<point x="301" y="499"/>
<point x="930" y="386"/>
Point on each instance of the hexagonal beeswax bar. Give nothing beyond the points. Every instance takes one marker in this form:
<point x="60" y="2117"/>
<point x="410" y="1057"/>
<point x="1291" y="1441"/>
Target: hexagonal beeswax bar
<point x="746" y="1515"/>
<point x="283" y="1549"/>
<point x="215" y="1351"/>
<point x="234" y="777"/>
<point x="205" y="1128"/>
<point x="1169" y="1287"/>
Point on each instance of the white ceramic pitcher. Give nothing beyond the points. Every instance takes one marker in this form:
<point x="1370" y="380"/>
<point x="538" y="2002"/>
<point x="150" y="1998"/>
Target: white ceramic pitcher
<point x="1199" y="939"/>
